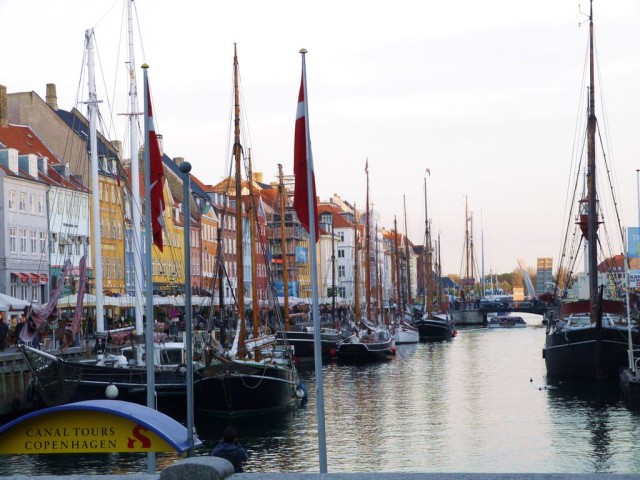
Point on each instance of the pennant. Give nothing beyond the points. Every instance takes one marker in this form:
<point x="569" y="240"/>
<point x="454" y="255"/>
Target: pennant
<point x="156" y="180"/>
<point x="302" y="157"/>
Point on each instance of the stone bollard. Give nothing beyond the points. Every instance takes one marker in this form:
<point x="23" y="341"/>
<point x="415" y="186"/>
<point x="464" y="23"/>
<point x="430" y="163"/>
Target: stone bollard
<point x="201" y="468"/>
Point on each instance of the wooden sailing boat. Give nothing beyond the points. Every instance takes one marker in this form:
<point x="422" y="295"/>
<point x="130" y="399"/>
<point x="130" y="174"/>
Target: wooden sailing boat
<point x="589" y="337"/>
<point x="430" y="325"/>
<point x="254" y="374"/>
<point x="371" y="339"/>
<point x="123" y="376"/>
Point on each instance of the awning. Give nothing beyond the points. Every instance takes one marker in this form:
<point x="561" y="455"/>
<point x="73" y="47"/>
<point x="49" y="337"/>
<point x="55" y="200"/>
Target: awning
<point x="43" y="278"/>
<point x="23" y="277"/>
<point x="35" y="278"/>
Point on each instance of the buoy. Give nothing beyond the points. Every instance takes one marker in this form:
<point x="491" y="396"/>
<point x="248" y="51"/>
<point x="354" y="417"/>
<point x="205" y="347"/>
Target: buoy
<point x="393" y="350"/>
<point x="333" y="352"/>
<point x="111" y="391"/>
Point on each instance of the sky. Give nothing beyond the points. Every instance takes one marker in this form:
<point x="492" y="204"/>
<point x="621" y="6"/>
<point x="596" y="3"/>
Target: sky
<point x="485" y="95"/>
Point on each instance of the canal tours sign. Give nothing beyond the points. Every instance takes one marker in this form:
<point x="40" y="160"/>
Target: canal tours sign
<point x="99" y="426"/>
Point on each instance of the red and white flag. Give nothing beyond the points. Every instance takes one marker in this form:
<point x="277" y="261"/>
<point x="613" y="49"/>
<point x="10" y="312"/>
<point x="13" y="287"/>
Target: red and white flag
<point x="156" y="179"/>
<point x="303" y="166"/>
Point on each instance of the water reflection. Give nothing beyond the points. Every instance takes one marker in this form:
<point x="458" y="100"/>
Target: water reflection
<point x="480" y="403"/>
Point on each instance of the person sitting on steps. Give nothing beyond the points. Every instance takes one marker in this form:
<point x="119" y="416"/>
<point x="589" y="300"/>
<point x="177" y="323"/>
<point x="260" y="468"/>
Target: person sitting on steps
<point x="230" y="449"/>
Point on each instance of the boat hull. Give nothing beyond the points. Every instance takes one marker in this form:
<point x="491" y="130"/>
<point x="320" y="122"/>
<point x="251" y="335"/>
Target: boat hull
<point x="431" y="329"/>
<point x="304" y="344"/>
<point x="244" y="388"/>
<point x="405" y="335"/>
<point x="574" y="354"/>
<point x="365" y="351"/>
<point x="65" y="381"/>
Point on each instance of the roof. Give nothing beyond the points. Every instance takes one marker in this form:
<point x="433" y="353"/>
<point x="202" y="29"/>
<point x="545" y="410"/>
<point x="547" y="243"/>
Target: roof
<point x="339" y="220"/>
<point x="26" y="141"/>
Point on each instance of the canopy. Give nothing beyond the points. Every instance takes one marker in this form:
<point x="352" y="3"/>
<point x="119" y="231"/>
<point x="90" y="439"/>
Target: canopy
<point x="10" y="304"/>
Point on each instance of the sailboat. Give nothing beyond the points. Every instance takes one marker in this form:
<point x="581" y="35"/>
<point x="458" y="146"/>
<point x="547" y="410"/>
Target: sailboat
<point x="60" y="380"/>
<point x="404" y="326"/>
<point x="298" y="328"/>
<point x="253" y="374"/>
<point x="431" y="325"/>
<point x="588" y="334"/>
<point x="371" y="339"/>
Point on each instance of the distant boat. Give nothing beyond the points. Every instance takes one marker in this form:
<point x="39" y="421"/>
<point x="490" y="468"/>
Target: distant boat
<point x="370" y="339"/>
<point x="502" y="320"/>
<point x="431" y="326"/>
<point x="589" y="337"/>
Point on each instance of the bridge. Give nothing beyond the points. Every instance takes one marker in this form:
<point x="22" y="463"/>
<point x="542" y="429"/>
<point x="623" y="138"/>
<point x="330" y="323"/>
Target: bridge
<point x="525" y="306"/>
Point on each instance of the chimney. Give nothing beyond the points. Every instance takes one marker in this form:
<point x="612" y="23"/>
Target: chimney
<point x="52" y="97"/>
<point x="258" y="177"/>
<point x="160" y="144"/>
<point x="117" y="146"/>
<point x="4" y="108"/>
<point x="178" y="160"/>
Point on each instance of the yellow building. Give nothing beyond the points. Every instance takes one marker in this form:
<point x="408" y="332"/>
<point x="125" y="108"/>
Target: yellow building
<point x="112" y="227"/>
<point x="168" y="264"/>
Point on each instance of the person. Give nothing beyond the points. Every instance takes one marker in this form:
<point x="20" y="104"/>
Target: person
<point x="19" y="328"/>
<point x="4" y="330"/>
<point x="230" y="449"/>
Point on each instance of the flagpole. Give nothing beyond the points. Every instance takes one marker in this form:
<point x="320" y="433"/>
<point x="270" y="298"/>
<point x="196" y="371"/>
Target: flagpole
<point x="317" y="347"/>
<point x="148" y="345"/>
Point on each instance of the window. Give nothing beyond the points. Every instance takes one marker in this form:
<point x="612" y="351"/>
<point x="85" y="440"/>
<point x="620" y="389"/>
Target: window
<point x="108" y="267"/>
<point x="32" y="204"/>
<point x="14" y="286"/>
<point x="40" y="205"/>
<point x="340" y="253"/>
<point x="12" y="200"/>
<point x="23" y="202"/>
<point x="13" y="239"/>
<point x="341" y="236"/>
<point x="341" y="271"/>
<point x="34" y="241"/>
<point x="43" y="242"/>
<point x="23" y="241"/>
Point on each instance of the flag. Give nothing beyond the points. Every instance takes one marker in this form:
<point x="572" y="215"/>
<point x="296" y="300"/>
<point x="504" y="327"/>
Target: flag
<point x="156" y="180"/>
<point x="302" y="155"/>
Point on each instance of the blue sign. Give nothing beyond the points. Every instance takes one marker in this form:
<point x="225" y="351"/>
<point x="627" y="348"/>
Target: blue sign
<point x="302" y="255"/>
<point x="293" y="288"/>
<point x="633" y="240"/>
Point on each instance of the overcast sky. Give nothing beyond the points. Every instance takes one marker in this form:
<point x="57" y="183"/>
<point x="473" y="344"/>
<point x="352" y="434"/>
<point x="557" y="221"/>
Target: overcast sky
<point x="485" y="94"/>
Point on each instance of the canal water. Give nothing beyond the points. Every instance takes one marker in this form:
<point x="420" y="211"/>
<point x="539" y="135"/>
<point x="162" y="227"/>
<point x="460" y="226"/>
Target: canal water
<point x="480" y="403"/>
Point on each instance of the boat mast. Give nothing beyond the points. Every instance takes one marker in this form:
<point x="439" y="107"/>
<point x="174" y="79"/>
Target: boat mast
<point x="398" y="280"/>
<point x="406" y="248"/>
<point x="223" y="325"/>
<point x="283" y="247"/>
<point x="439" y="276"/>
<point x="135" y="181"/>
<point x="367" y="254"/>
<point x="427" y="254"/>
<point x="237" y="152"/>
<point x="253" y="220"/>
<point x="92" y="105"/>
<point x="591" y="183"/>
<point x="356" y="267"/>
<point x="466" y="249"/>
